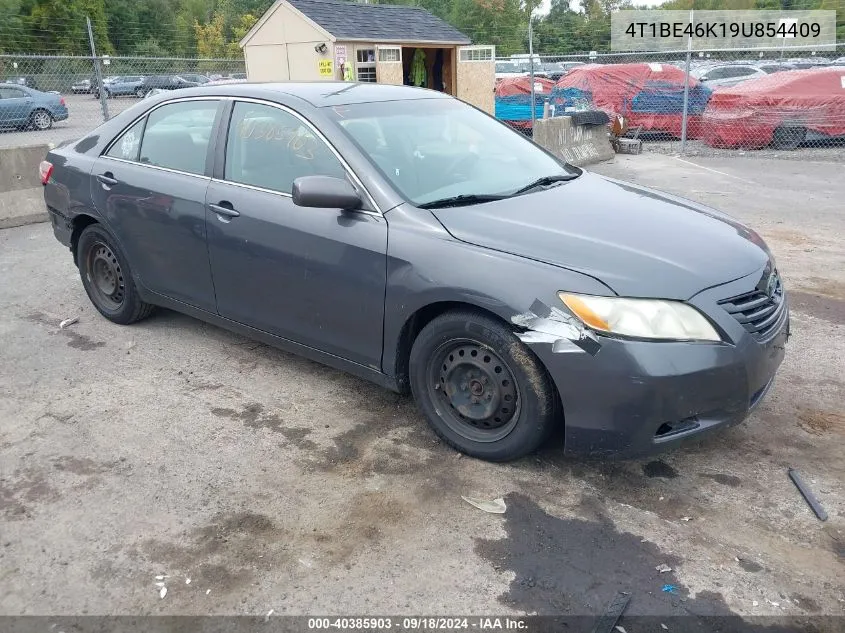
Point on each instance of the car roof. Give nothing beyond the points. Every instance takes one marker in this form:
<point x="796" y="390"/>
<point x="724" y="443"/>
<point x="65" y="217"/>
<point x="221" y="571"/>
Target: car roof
<point x="320" y="93"/>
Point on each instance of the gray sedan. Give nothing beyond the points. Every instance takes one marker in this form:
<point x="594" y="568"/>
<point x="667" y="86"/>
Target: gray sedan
<point x="403" y="236"/>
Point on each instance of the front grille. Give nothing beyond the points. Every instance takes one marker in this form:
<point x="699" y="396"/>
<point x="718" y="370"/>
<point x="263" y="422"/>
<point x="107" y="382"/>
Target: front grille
<point x="758" y="312"/>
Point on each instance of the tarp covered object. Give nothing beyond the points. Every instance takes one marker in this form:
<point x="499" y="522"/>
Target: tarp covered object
<point x="513" y="99"/>
<point x="747" y="114"/>
<point x="650" y="96"/>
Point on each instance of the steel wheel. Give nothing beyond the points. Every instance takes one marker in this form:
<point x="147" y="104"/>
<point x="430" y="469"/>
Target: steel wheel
<point x="106" y="276"/>
<point x="477" y="388"/>
<point x="42" y="120"/>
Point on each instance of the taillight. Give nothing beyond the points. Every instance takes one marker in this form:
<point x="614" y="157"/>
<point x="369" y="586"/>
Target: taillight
<point x="62" y="101"/>
<point x="45" y="169"/>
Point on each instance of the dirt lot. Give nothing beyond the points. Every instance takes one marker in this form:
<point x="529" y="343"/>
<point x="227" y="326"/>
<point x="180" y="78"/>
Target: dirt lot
<point x="174" y="448"/>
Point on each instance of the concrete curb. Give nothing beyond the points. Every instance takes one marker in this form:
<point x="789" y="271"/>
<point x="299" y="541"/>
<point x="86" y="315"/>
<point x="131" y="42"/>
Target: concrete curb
<point x="23" y="220"/>
<point x="21" y="192"/>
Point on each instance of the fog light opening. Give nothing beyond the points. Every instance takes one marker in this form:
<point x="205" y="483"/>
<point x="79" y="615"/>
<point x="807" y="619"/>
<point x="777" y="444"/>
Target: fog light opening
<point x="673" y="428"/>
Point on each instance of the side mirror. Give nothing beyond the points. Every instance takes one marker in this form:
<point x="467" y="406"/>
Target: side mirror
<point x="325" y="192"/>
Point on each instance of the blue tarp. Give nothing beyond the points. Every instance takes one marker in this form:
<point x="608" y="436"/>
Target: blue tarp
<point x="518" y="107"/>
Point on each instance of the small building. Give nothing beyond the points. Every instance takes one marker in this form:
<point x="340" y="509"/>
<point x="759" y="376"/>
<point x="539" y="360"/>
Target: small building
<point x="309" y="40"/>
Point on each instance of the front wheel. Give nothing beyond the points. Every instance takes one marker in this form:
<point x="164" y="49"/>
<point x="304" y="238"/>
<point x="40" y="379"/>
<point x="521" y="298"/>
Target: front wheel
<point x="480" y="388"/>
<point x="107" y="279"/>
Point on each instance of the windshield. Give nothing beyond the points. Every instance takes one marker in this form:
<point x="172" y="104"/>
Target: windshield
<point x="431" y="149"/>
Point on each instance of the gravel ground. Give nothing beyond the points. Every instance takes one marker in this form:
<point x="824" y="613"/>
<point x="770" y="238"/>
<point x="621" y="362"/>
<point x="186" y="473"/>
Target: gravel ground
<point x="827" y="151"/>
<point x="173" y="448"/>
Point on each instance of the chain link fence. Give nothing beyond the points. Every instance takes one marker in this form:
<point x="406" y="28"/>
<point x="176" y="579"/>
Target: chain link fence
<point x="54" y="98"/>
<point x="771" y="101"/>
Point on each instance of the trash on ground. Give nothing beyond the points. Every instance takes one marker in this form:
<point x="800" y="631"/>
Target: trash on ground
<point x="754" y="603"/>
<point x="669" y="589"/>
<point x="68" y="322"/>
<point x="774" y="604"/>
<point x="207" y="591"/>
<point x="163" y="592"/>
<point x="686" y="518"/>
<point x="267" y="617"/>
<point x="808" y="495"/>
<point x="664" y="627"/>
<point x="496" y="506"/>
<point x="162" y="577"/>
<point x="663" y="568"/>
<point x="620" y="628"/>
<point x="159" y="584"/>
<point x="187" y="581"/>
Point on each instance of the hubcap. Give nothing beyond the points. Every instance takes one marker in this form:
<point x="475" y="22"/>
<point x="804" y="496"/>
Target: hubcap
<point x="477" y="390"/>
<point x="105" y="276"/>
<point x="42" y="120"/>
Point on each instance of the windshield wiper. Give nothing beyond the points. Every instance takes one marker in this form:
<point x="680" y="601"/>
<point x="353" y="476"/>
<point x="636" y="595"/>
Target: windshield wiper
<point x="462" y="200"/>
<point x="544" y="182"/>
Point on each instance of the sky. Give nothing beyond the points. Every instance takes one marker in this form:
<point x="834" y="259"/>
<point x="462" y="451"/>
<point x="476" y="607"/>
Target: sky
<point x="547" y="4"/>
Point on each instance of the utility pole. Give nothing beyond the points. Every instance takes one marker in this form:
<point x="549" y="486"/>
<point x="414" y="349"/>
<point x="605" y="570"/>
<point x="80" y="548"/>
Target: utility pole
<point x="686" y="88"/>
<point x="531" y="67"/>
<point x="98" y="72"/>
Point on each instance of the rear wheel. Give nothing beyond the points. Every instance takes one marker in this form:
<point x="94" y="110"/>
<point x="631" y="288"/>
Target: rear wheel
<point x="41" y="120"/>
<point x="481" y="389"/>
<point x="107" y="279"/>
<point x="788" y="137"/>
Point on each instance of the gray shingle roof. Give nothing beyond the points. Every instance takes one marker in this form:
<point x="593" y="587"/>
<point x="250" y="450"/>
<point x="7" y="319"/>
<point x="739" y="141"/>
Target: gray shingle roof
<point x="379" y="22"/>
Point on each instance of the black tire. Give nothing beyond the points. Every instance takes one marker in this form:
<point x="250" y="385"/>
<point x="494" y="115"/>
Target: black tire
<point x="41" y="120"/>
<point x="466" y="363"/>
<point x="788" y="137"/>
<point x="107" y="278"/>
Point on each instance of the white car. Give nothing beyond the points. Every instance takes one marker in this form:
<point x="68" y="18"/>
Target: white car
<point x="727" y="74"/>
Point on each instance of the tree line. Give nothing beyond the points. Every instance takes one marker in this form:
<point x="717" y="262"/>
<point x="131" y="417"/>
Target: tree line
<point x="213" y="28"/>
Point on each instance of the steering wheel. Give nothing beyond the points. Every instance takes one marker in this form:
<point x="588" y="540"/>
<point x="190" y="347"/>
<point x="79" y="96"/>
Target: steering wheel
<point x="462" y="165"/>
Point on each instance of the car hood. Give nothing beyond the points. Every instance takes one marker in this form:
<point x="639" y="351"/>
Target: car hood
<point x="637" y="241"/>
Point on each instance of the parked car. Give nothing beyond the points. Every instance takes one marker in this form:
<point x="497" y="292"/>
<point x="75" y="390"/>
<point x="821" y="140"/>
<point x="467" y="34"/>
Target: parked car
<point x="23" y="108"/>
<point x="195" y="78"/>
<point x="83" y="87"/>
<point x="238" y="76"/>
<point x="650" y="96"/>
<point x="123" y="86"/>
<point x="505" y="70"/>
<point x="726" y="74"/>
<point x="27" y="81"/>
<point x="165" y="82"/>
<point x="782" y="110"/>
<point x="406" y="237"/>
<point x="774" y="67"/>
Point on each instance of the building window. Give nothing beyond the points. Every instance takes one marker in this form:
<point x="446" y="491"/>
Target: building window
<point x="476" y="54"/>
<point x="389" y="54"/>
<point x="366" y="64"/>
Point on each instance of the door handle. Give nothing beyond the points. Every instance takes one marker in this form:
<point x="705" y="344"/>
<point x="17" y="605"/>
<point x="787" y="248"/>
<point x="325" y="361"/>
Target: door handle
<point x="225" y="209"/>
<point x="107" y="179"/>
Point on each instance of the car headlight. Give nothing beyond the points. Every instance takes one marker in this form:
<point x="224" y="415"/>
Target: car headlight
<point x="642" y="318"/>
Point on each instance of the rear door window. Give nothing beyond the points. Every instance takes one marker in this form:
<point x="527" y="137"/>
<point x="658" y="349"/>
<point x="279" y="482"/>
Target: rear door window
<point x="270" y="148"/>
<point x="177" y="136"/>
<point x="127" y="145"/>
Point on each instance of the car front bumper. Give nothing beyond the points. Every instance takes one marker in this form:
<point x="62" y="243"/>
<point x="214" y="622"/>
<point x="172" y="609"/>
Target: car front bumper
<point x="636" y="397"/>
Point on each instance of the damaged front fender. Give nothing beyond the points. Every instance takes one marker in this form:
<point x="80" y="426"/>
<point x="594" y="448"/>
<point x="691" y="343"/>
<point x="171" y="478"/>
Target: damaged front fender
<point x="543" y="324"/>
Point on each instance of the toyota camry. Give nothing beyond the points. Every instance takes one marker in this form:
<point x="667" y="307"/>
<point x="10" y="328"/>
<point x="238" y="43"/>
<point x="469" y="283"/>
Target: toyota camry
<point x="408" y="238"/>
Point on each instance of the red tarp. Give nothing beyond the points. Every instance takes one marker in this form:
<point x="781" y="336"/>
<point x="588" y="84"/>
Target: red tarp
<point x="514" y="86"/>
<point x="746" y="115"/>
<point x="614" y="86"/>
